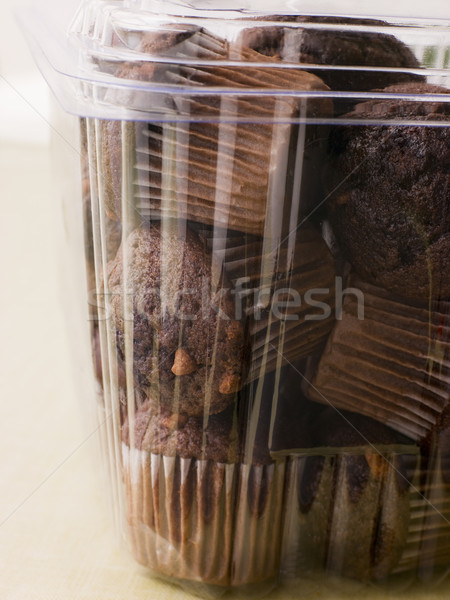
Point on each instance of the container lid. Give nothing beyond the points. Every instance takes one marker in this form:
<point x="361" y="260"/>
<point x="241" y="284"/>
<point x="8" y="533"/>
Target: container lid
<point x="178" y="60"/>
<point x="402" y="9"/>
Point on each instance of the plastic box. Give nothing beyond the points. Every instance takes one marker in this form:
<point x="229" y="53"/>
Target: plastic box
<point x="265" y="204"/>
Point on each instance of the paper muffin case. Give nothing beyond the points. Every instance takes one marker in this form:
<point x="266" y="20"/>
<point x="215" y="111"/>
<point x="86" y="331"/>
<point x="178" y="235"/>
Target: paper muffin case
<point x="223" y="174"/>
<point x="228" y="174"/>
<point x="392" y="365"/>
<point x="338" y="525"/>
<point x="282" y="328"/>
<point x="237" y="167"/>
<point x="427" y="549"/>
<point x="258" y="525"/>
<point x="204" y="521"/>
<point x="275" y="343"/>
<point x="180" y="514"/>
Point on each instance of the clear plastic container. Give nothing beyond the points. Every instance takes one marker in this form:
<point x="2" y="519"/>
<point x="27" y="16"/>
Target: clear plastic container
<point x="265" y="204"/>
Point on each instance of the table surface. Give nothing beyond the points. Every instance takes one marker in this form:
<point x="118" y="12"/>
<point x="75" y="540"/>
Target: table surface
<point x="56" y="539"/>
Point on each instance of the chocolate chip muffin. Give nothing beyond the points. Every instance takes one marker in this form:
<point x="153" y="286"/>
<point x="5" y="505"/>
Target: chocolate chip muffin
<point x="196" y="511"/>
<point x="339" y="45"/>
<point x="188" y="350"/>
<point x="389" y="188"/>
<point x="181" y="479"/>
<point x="349" y="504"/>
<point x="173" y="434"/>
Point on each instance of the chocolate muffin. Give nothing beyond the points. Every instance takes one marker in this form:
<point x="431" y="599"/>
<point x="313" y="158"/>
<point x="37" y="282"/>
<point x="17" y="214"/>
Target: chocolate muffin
<point x="181" y="479"/>
<point x="389" y="193"/>
<point x="348" y="506"/>
<point x="231" y="160"/>
<point x="338" y="45"/>
<point x="387" y="358"/>
<point x="188" y="350"/>
<point x="195" y="511"/>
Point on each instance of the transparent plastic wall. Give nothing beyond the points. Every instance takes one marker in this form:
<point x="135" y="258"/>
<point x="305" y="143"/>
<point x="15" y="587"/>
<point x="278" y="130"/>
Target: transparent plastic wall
<point x="265" y="205"/>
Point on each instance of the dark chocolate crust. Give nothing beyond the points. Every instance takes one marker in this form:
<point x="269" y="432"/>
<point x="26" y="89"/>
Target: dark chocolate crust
<point x="336" y="47"/>
<point x="187" y="348"/>
<point x="390" y="194"/>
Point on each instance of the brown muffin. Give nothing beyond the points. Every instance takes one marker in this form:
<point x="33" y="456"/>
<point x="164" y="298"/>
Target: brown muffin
<point x="195" y="512"/>
<point x="389" y="191"/>
<point x="387" y="358"/>
<point x="336" y="46"/>
<point x="187" y="347"/>
<point x="170" y="434"/>
<point x="233" y="157"/>
<point x="349" y="504"/>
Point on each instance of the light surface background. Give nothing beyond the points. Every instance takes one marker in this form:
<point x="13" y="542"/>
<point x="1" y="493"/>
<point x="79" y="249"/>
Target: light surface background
<point x="56" y="540"/>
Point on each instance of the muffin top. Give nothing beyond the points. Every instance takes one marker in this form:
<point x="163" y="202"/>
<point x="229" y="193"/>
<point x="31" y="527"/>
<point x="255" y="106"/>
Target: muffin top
<point x="171" y="434"/>
<point x="389" y="189"/>
<point x="412" y="109"/>
<point x="336" y="47"/>
<point x="187" y="346"/>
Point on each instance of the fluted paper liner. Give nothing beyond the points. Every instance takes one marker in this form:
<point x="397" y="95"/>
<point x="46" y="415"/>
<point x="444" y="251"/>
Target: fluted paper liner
<point x="180" y="514"/>
<point x="231" y="168"/>
<point x="428" y="542"/>
<point x="214" y="523"/>
<point x="257" y="531"/>
<point x="326" y="528"/>
<point x="303" y="268"/>
<point x="232" y="173"/>
<point x="212" y="186"/>
<point x="392" y="365"/>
